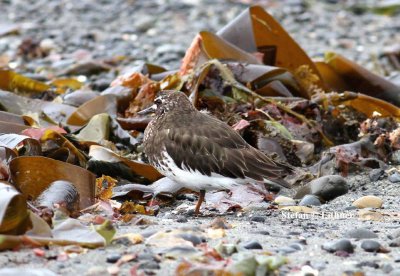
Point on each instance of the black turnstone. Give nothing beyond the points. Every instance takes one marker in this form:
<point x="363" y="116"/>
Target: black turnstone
<point x="201" y="152"/>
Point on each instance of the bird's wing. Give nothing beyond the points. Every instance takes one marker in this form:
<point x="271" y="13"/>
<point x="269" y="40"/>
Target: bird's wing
<point x="221" y="150"/>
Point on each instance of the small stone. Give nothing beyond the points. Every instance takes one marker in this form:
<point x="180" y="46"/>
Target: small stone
<point x="395" y="234"/>
<point x="195" y="240"/>
<point x="145" y="256"/>
<point x="170" y="48"/>
<point x="360" y="233"/>
<point x="226" y="248"/>
<point x="182" y="219"/>
<point x="340" y="245"/>
<point x="395" y="243"/>
<point x="284" y="200"/>
<point x="113" y="258"/>
<point x="353" y="273"/>
<point x="177" y="252"/>
<point x="310" y="200"/>
<point x="387" y="268"/>
<point x="396" y="157"/>
<point x="326" y="188"/>
<point x="149" y="265"/>
<point x="395" y="272"/>
<point x="394" y="178"/>
<point x="263" y="232"/>
<point x="368" y="201"/>
<point x="320" y="265"/>
<point x="286" y="250"/>
<point x="368" y="263"/>
<point x="252" y="245"/>
<point x="47" y="45"/>
<point x="375" y="174"/>
<point x="370" y="245"/>
<point x="96" y="270"/>
<point x="296" y="246"/>
<point x="144" y="23"/>
<point x="148" y="233"/>
<point x="257" y="219"/>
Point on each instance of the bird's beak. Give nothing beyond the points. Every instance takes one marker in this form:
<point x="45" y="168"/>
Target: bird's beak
<point x="151" y="109"/>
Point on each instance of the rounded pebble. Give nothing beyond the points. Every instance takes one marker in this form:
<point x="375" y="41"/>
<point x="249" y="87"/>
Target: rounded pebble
<point x="257" y="219"/>
<point x="360" y="233"/>
<point x="387" y="268"/>
<point x="252" y="245"/>
<point x="284" y="200"/>
<point x="394" y="178"/>
<point x="286" y="250"/>
<point x="375" y="174"/>
<point x="182" y="219"/>
<point x="195" y="240"/>
<point x="340" y="245"/>
<point x="113" y="258"/>
<point x="310" y="200"/>
<point x="326" y="187"/>
<point x="368" y="201"/>
<point x="395" y="234"/>
<point x="296" y="246"/>
<point x="149" y="265"/>
<point x="370" y="246"/>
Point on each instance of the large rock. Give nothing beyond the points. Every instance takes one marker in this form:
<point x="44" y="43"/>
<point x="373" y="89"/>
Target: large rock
<point x="326" y="188"/>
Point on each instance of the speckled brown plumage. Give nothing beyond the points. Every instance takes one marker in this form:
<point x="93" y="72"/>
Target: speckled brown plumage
<point x="198" y="142"/>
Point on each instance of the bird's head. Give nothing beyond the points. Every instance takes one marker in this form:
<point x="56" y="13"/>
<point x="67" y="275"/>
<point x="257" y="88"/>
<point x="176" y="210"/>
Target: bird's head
<point x="167" y="101"/>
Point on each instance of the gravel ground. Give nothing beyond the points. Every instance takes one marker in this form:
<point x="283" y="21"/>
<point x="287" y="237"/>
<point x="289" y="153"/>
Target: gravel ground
<point x="159" y="32"/>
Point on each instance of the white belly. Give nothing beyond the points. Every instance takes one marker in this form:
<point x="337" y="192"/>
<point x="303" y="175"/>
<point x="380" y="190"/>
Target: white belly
<point x="194" y="180"/>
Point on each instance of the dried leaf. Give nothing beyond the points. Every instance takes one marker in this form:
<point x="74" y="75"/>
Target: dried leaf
<point x="37" y="133"/>
<point x="254" y="30"/>
<point x="132" y="237"/>
<point x="14" y="216"/>
<point x="162" y="186"/>
<point x="101" y="104"/>
<point x="72" y="231"/>
<point x="87" y="68"/>
<point x="8" y="28"/>
<point x="346" y="75"/>
<point x="16" y="142"/>
<point x="64" y="84"/>
<point x="103" y="154"/>
<point x="104" y="187"/>
<point x="11" y="118"/>
<point x="74" y="156"/>
<point x="97" y="129"/>
<point x="79" y="97"/>
<point x="208" y="46"/>
<point x="106" y="230"/>
<point x="362" y="103"/>
<point x="13" y="82"/>
<point x="118" y="135"/>
<point x="129" y="207"/>
<point x="22" y="105"/>
<point x="238" y="197"/>
<point x="131" y="79"/>
<point x="28" y="175"/>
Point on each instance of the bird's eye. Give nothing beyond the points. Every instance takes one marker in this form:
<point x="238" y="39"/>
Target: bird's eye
<point x="158" y="101"/>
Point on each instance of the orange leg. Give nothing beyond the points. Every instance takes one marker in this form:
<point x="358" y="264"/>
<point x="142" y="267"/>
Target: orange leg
<point x="199" y="202"/>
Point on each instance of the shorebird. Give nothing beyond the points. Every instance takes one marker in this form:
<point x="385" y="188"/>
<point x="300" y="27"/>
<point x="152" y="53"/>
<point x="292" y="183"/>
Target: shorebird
<point x="201" y="152"/>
